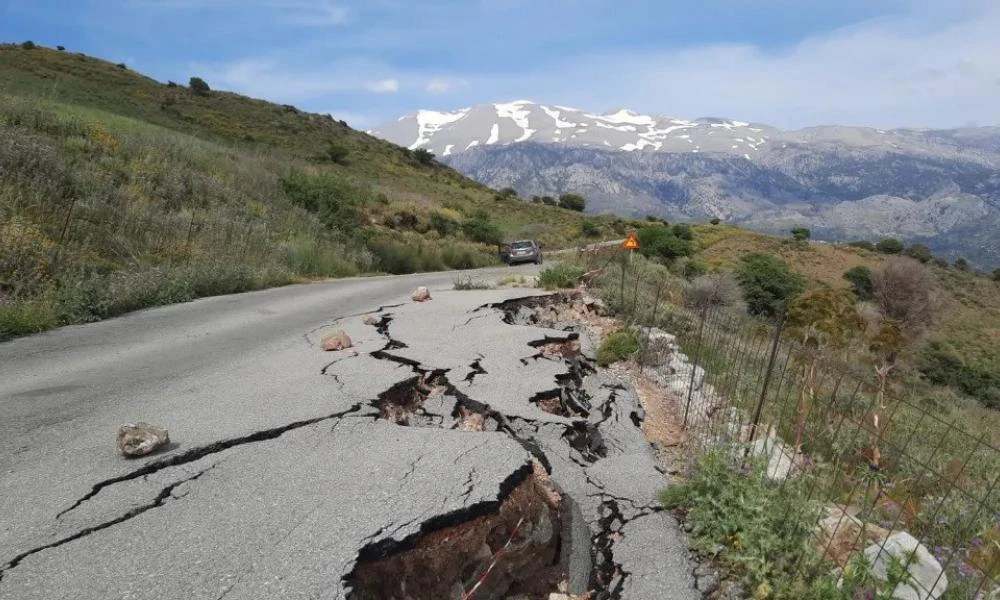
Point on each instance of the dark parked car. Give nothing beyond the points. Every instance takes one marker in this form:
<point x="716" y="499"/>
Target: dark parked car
<point x="521" y="251"/>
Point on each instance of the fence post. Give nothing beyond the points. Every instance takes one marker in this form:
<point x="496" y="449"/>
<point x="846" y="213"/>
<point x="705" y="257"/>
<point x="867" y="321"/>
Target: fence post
<point x="621" y="291"/>
<point x="694" y="365"/>
<point x="649" y="329"/>
<point x="635" y="294"/>
<point x="767" y="380"/>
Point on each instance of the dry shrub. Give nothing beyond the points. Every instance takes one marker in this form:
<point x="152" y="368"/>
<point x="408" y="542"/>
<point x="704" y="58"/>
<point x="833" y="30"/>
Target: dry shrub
<point x="716" y="290"/>
<point x="902" y="292"/>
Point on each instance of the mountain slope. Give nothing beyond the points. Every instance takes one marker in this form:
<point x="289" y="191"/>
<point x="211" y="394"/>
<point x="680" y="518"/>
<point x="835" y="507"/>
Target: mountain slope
<point x="941" y="187"/>
<point x="118" y="192"/>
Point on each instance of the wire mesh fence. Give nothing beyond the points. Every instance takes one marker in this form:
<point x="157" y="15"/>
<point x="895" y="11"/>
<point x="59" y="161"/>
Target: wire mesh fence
<point x="896" y="479"/>
<point x="880" y="463"/>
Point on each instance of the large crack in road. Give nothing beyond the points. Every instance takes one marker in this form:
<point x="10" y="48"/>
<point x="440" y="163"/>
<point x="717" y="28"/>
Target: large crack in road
<point x="495" y="458"/>
<point x="424" y="401"/>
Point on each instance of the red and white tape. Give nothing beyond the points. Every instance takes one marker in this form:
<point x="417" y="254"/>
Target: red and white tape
<point x="496" y="558"/>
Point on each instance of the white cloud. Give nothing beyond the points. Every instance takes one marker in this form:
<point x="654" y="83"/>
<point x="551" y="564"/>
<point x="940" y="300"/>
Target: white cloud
<point x="383" y="86"/>
<point x="440" y="85"/>
<point x="911" y="71"/>
<point x="270" y="79"/>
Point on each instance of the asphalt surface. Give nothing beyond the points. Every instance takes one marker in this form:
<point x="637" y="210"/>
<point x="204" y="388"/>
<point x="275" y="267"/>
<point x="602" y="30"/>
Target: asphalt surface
<point x="279" y="473"/>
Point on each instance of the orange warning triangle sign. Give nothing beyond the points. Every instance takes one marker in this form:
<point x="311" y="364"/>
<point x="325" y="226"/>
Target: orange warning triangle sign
<point x="631" y="242"/>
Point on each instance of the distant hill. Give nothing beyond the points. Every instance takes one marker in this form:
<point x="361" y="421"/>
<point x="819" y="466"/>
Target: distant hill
<point x="938" y="187"/>
<point x="118" y="192"/>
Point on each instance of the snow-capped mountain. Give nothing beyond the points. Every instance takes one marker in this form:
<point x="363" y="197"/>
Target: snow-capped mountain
<point x="447" y="133"/>
<point x="940" y="187"/>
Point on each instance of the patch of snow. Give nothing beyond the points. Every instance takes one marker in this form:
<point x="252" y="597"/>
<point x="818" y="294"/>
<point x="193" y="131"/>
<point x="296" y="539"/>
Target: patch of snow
<point x="640" y="145"/>
<point x="494" y="134"/>
<point x="684" y="137"/>
<point x="730" y="124"/>
<point x="472" y="143"/>
<point x="756" y="130"/>
<point x="735" y="146"/>
<point x="567" y="108"/>
<point x="625" y="116"/>
<point x="430" y="122"/>
<point x="581" y="130"/>
<point x="662" y="133"/>
<point x="740" y="140"/>
<point x="606" y="143"/>
<point x="746" y="156"/>
<point x="447" y="149"/>
<point x="403" y="118"/>
<point x="560" y="124"/>
<point x="516" y="112"/>
<point x="616" y="127"/>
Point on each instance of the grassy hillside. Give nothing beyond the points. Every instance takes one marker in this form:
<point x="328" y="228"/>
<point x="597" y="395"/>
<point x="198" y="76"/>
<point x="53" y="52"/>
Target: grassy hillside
<point x="967" y="322"/>
<point x="119" y="192"/>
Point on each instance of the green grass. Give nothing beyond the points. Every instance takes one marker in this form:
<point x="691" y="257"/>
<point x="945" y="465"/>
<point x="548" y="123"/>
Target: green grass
<point x="120" y="192"/>
<point x="561" y="276"/>
<point x="618" y="346"/>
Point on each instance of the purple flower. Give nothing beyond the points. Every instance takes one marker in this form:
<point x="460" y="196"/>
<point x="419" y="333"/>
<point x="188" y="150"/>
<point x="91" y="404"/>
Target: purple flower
<point x="976" y="542"/>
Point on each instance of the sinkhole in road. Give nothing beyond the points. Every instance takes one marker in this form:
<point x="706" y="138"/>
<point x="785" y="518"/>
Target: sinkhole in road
<point x="503" y="549"/>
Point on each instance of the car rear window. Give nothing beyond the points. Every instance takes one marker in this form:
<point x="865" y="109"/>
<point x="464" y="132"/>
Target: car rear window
<point x="520" y="245"/>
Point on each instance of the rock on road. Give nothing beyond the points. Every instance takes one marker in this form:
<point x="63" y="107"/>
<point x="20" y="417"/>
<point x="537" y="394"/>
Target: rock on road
<point x="280" y="471"/>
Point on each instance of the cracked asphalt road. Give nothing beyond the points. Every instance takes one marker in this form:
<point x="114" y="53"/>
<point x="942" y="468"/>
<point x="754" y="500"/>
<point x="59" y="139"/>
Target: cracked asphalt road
<point x="279" y="473"/>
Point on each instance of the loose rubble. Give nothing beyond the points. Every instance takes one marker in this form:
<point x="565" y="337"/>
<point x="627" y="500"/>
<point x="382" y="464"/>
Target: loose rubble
<point x="338" y="340"/>
<point x="421" y="294"/>
<point x="140" y="439"/>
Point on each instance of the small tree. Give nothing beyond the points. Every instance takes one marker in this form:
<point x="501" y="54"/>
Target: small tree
<point x="801" y="234"/>
<point x="61" y="48"/>
<point x="863" y="244"/>
<point x="919" y="252"/>
<point x="423" y="156"/>
<point x="901" y="289"/>
<point x="715" y="221"/>
<point x="996" y="275"/>
<point x="962" y="265"/>
<point x="588" y="229"/>
<point x="660" y="242"/>
<point x="940" y="262"/>
<point x="573" y="202"/>
<point x="549" y="201"/>
<point x="199" y="86"/>
<point x="683" y="231"/>
<point x="769" y="285"/>
<point x="479" y="228"/>
<point x="336" y="153"/>
<point x="889" y="246"/>
<point x="508" y="192"/>
<point x="861" y="282"/>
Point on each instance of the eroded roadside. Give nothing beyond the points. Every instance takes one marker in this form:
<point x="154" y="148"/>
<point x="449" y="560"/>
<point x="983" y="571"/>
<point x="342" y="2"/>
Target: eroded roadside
<point x="471" y="450"/>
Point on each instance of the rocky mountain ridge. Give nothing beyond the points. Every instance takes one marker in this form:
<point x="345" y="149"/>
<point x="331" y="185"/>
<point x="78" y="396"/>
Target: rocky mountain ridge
<point x="939" y="187"/>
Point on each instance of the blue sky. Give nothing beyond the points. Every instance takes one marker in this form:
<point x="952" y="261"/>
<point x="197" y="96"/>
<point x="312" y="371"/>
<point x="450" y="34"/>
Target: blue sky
<point x="790" y="63"/>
